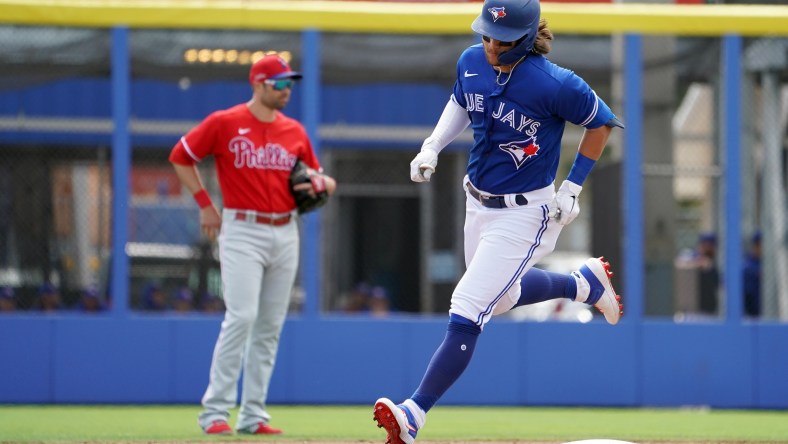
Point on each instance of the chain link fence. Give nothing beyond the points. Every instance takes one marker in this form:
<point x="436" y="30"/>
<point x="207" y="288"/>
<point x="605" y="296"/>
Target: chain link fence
<point x="388" y="245"/>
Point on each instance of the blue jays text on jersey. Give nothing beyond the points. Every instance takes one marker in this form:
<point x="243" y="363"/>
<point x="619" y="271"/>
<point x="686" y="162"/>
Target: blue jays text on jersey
<point x="518" y="124"/>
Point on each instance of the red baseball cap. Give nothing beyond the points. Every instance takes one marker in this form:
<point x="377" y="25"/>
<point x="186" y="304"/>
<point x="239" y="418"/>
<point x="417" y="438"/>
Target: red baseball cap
<point x="271" y="67"/>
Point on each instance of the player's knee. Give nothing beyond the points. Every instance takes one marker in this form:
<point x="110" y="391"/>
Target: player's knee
<point x="461" y="323"/>
<point x="245" y="318"/>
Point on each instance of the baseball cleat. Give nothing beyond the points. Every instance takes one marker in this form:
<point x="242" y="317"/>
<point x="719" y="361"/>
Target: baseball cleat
<point x="597" y="272"/>
<point x="218" y="427"/>
<point x="397" y="420"/>
<point x="259" y="428"/>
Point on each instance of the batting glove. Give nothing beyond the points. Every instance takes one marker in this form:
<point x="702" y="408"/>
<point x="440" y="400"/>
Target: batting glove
<point x="565" y="207"/>
<point x="423" y="165"/>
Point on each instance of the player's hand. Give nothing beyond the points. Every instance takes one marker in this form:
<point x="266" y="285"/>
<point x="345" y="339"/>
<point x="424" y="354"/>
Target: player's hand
<point x="564" y="208"/>
<point x="210" y="222"/>
<point x="423" y="165"/>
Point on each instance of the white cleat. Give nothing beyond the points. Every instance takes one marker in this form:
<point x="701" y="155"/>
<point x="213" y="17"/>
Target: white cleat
<point x="599" y="279"/>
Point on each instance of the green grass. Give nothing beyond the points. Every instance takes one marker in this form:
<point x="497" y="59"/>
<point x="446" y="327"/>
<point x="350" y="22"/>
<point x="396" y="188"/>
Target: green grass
<point x="354" y="423"/>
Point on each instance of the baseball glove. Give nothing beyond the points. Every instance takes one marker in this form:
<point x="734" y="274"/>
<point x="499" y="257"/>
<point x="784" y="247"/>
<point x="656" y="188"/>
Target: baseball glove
<point x="306" y="201"/>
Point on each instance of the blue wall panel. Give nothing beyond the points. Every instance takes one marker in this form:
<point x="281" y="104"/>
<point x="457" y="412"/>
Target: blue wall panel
<point x="420" y="338"/>
<point x="698" y="365"/>
<point x="191" y="351"/>
<point x="589" y="364"/>
<point x="165" y="359"/>
<point x="26" y="359"/>
<point x="371" y="104"/>
<point x="107" y="360"/>
<point x="82" y="97"/>
<point x="496" y="370"/>
<point x="347" y="359"/>
<point x="167" y="101"/>
<point x="10" y="102"/>
<point x="384" y="104"/>
<point x="771" y="365"/>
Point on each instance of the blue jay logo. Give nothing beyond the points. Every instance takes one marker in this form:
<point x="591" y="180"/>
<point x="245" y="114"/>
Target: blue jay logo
<point x="521" y="150"/>
<point x="497" y="12"/>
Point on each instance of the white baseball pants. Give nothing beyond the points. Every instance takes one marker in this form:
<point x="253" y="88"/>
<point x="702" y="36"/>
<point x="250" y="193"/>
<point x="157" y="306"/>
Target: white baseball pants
<point x="259" y="264"/>
<point x="501" y="244"/>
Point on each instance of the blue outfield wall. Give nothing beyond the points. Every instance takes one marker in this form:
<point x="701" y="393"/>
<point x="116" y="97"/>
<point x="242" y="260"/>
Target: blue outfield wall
<point x="165" y="359"/>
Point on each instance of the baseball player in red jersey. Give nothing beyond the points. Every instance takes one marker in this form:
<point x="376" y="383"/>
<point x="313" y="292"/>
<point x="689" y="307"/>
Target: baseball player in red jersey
<point x="255" y="147"/>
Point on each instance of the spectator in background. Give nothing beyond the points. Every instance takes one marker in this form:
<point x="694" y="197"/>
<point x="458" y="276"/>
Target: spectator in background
<point x="154" y="298"/>
<point x="7" y="299"/>
<point x="708" y="274"/>
<point x="358" y="299"/>
<point x="378" y="302"/>
<point x="752" y="277"/>
<point x="210" y="303"/>
<point x="90" y="300"/>
<point x="370" y="299"/>
<point x="703" y="259"/>
<point x="183" y="300"/>
<point x="49" y="299"/>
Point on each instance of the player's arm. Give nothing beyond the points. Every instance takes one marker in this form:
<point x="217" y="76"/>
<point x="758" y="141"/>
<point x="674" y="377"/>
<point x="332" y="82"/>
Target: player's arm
<point x="328" y="183"/>
<point x="210" y="220"/>
<point x="593" y="142"/>
<point x="451" y="124"/>
<point x="565" y="207"/>
<point x="310" y="159"/>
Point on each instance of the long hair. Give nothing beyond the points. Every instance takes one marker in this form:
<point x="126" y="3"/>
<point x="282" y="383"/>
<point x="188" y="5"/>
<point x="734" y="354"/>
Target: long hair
<point x="544" y="38"/>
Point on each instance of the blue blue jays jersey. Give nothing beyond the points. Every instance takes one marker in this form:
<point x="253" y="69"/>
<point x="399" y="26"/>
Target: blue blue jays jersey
<point x="517" y="127"/>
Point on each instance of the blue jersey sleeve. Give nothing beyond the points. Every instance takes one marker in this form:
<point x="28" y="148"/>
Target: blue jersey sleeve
<point x="579" y="104"/>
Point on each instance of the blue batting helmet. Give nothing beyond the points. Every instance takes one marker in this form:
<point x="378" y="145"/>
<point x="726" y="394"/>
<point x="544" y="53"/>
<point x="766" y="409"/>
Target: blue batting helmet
<point x="510" y="21"/>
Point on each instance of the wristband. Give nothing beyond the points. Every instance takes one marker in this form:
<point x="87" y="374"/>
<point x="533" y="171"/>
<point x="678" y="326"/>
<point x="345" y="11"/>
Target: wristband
<point x="202" y="198"/>
<point x="580" y="169"/>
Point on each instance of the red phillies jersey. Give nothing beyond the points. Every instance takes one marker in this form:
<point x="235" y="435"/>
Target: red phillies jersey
<point x="253" y="158"/>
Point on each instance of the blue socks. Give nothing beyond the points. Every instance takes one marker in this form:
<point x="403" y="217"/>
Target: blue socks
<point x="454" y="354"/>
<point x="538" y="285"/>
<point x="448" y="362"/>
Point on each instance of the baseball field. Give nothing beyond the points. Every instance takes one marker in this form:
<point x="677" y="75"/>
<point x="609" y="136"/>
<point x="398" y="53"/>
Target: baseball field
<point x="353" y="424"/>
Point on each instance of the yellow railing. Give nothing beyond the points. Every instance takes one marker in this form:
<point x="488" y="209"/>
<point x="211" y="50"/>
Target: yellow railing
<point x="399" y="18"/>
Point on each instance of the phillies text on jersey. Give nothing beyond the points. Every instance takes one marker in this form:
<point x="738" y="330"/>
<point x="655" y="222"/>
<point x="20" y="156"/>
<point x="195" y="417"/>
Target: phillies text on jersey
<point x="253" y="158"/>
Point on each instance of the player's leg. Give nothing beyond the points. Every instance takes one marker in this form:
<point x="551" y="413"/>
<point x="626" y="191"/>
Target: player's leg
<point x="403" y="421"/>
<point x="279" y="274"/>
<point x="589" y="284"/>
<point x="498" y="255"/>
<point x="241" y="272"/>
<point x="539" y="285"/>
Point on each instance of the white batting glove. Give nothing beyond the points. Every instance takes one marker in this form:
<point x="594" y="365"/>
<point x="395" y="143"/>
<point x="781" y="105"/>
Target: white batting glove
<point x="423" y="165"/>
<point x="564" y="208"/>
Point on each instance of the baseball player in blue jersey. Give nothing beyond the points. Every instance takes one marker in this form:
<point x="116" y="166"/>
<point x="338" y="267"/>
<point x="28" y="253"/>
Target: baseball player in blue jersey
<point x="517" y="103"/>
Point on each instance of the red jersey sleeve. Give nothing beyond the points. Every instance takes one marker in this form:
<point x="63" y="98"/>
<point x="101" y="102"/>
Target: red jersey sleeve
<point x="308" y="155"/>
<point x="197" y="143"/>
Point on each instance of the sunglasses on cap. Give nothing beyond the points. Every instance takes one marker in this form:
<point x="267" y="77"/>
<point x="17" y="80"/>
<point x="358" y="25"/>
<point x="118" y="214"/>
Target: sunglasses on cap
<point x="500" y="43"/>
<point x="281" y="84"/>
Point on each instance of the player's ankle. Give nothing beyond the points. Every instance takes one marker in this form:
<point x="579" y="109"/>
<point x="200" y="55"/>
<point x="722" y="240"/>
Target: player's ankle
<point x="419" y="415"/>
<point x="583" y="288"/>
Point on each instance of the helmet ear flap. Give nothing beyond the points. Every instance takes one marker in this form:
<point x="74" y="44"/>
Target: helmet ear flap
<point x="520" y="50"/>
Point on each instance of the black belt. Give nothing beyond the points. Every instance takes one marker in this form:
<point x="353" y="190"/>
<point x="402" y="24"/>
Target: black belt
<point x="495" y="201"/>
